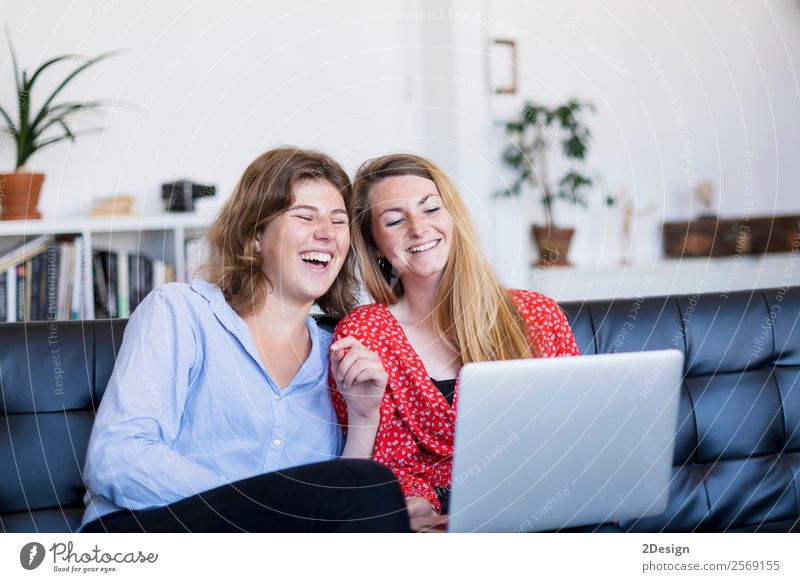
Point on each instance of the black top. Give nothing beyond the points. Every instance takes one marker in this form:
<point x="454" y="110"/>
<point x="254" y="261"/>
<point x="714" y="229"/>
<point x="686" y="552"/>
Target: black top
<point x="447" y="388"/>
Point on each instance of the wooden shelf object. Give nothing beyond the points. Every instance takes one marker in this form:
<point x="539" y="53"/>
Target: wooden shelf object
<point x="719" y="237"/>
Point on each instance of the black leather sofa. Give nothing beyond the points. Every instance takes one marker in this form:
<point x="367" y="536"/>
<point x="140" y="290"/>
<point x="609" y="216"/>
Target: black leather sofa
<point x="737" y="459"/>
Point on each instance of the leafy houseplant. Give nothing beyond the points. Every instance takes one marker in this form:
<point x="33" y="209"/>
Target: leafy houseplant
<point x="532" y="136"/>
<point x="33" y="131"/>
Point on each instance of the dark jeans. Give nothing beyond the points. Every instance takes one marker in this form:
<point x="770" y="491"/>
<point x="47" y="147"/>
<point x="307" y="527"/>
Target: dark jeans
<point x="335" y="496"/>
<point x="443" y="494"/>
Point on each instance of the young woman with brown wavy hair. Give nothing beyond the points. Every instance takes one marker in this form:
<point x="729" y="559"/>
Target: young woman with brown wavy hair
<point x="217" y="416"/>
<point x="439" y="306"/>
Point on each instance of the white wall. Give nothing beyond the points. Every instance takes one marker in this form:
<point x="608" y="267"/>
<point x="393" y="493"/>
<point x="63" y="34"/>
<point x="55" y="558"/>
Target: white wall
<point x="686" y="91"/>
<point x="216" y="84"/>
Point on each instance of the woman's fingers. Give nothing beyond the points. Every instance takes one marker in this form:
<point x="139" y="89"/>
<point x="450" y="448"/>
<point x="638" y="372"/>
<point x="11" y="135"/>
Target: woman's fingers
<point x="349" y="372"/>
<point x="359" y="374"/>
<point x="335" y="368"/>
<point x="419" y="507"/>
<point x="357" y="357"/>
<point x="339" y="366"/>
<point x="370" y="374"/>
<point x="345" y="342"/>
<point x="353" y="375"/>
<point x="356" y="353"/>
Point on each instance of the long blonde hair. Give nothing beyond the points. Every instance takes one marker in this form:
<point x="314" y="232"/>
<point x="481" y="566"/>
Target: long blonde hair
<point x="473" y="311"/>
<point x="265" y="190"/>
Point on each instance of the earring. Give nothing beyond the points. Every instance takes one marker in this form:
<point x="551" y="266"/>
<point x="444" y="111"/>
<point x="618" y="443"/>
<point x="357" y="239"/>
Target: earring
<point x="386" y="269"/>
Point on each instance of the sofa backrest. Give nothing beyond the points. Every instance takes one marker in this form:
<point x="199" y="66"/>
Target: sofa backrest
<point x="737" y="455"/>
<point x="737" y="458"/>
<point x="52" y="376"/>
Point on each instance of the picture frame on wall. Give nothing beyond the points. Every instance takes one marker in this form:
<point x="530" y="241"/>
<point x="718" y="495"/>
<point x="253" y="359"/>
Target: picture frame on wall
<point x="503" y="66"/>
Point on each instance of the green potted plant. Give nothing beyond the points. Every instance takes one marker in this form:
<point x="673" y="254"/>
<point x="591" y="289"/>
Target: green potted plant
<point x="33" y="131"/>
<point x="531" y="135"/>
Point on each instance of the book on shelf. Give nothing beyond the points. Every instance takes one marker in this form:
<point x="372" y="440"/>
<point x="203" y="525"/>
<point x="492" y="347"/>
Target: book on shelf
<point x="76" y="290"/>
<point x="11" y="294"/>
<point x="3" y="298"/>
<point x="24" y="252"/>
<point x="21" y="303"/>
<point x="38" y="279"/>
<point x="197" y="252"/>
<point x="33" y="287"/>
<point x="45" y="279"/>
<point x="123" y="278"/>
<point x="101" y="281"/>
<point x="64" y="273"/>
<point x="51" y="297"/>
<point x="27" y="289"/>
<point x="140" y="279"/>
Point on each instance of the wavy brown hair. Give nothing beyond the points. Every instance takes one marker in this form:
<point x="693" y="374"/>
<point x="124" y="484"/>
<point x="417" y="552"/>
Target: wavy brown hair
<point x="266" y="190"/>
<point x="473" y="311"/>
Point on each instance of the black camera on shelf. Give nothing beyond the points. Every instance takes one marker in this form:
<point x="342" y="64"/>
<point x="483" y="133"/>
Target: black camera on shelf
<point x="179" y="196"/>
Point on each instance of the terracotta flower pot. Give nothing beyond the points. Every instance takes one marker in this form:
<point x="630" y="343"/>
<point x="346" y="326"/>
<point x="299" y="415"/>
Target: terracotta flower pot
<point x="553" y="244"/>
<point x="19" y="195"/>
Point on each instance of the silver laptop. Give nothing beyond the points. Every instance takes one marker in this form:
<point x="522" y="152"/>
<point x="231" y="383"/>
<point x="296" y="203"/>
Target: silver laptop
<point x="553" y="443"/>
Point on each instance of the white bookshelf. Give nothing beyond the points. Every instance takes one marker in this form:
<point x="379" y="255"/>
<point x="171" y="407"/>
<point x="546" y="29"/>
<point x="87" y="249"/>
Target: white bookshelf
<point x="159" y="236"/>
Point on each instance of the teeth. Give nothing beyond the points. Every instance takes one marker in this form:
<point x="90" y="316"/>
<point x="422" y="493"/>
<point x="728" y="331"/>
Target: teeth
<point x="319" y="257"/>
<point x="424" y="247"/>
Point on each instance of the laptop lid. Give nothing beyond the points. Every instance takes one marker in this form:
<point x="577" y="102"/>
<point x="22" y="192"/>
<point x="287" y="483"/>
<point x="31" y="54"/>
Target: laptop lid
<point x="551" y="443"/>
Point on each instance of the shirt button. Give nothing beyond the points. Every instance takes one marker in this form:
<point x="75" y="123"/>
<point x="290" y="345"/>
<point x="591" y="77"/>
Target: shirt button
<point x="277" y="442"/>
<point x="277" y="397"/>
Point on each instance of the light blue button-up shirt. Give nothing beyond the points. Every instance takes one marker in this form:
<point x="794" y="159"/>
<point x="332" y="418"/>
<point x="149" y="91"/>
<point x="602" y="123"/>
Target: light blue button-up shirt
<point x="190" y="406"/>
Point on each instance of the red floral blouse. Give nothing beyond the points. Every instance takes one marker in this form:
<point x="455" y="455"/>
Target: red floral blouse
<point x="415" y="435"/>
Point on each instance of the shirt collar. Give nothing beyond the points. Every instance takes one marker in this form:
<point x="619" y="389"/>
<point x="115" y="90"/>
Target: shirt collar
<point x="313" y="369"/>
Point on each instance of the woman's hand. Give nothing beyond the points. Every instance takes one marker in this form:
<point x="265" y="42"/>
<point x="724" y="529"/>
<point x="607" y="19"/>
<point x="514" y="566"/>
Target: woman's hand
<point x="418" y="507"/>
<point x="360" y="377"/>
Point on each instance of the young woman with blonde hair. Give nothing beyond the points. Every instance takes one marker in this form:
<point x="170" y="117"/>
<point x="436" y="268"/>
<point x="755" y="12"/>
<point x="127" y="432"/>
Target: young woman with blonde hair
<point x="438" y="306"/>
<point x="217" y="417"/>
